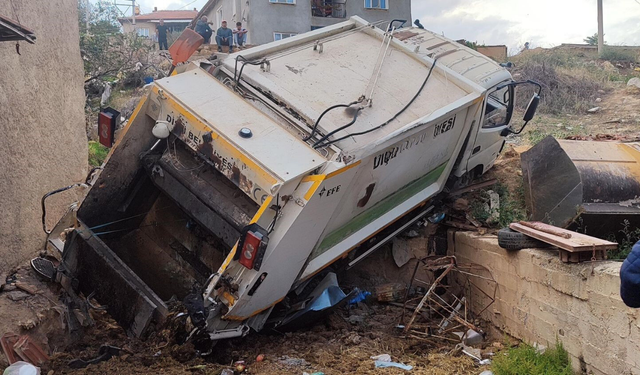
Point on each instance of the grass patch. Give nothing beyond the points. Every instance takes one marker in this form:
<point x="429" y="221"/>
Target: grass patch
<point x="619" y="55"/>
<point x="570" y="81"/>
<point x="525" y="360"/>
<point x="97" y="153"/>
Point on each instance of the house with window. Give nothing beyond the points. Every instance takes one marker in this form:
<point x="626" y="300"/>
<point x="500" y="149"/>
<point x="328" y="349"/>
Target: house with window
<point x="269" y="20"/>
<point x="145" y="24"/>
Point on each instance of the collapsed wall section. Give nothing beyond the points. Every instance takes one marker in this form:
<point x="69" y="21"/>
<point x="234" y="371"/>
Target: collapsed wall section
<point x="540" y="300"/>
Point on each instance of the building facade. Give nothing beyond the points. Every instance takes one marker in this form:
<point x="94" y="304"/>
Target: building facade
<point x="269" y="20"/>
<point x="145" y="24"/>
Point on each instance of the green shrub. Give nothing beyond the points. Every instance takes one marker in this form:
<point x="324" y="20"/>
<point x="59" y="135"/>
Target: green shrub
<point x="526" y="360"/>
<point x="97" y="153"/>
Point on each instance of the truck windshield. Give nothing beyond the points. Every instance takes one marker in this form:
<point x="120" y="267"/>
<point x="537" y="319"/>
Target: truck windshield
<point x="499" y="108"/>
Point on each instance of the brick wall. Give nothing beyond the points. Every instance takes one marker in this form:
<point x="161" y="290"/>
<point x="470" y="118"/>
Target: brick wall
<point x="540" y="299"/>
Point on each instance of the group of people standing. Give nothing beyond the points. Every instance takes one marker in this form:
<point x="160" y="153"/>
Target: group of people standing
<point x="224" y="35"/>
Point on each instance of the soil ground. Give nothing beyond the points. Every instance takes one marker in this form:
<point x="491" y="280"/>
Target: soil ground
<point x="340" y="344"/>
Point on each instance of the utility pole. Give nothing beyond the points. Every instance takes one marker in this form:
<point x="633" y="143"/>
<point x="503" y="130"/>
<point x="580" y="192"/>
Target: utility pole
<point x="86" y="14"/>
<point x="133" y="12"/>
<point x="600" y="29"/>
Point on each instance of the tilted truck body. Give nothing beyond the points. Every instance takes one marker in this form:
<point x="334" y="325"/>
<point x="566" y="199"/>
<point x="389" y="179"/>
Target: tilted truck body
<point x="242" y="198"/>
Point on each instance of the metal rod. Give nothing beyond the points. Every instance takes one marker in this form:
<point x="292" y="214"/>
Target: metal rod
<point x="426" y="296"/>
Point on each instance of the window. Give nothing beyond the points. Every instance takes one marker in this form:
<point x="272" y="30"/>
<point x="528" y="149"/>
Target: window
<point x="499" y="108"/>
<point x="219" y="18"/>
<point x="143" y="31"/>
<point x="376" y="4"/>
<point x="283" y="1"/>
<point x="280" y="36"/>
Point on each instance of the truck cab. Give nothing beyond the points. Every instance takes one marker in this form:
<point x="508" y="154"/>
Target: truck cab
<point x="485" y="142"/>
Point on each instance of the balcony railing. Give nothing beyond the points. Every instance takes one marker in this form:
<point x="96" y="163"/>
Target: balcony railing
<point x="328" y="8"/>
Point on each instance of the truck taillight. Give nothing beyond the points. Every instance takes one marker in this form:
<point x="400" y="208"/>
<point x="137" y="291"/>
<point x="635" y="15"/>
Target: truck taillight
<point x="252" y="246"/>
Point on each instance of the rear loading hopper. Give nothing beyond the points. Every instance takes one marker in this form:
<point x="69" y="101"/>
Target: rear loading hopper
<point x="584" y="185"/>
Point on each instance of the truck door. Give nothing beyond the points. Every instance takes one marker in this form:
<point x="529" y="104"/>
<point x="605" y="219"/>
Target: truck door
<point x="497" y="115"/>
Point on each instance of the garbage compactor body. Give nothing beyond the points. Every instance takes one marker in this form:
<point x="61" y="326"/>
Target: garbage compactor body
<point x="587" y="185"/>
<point x="271" y="171"/>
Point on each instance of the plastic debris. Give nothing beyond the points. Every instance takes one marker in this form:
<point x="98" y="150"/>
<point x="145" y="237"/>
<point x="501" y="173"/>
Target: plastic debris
<point x="21" y="368"/>
<point x="359" y="297"/>
<point x="382" y="358"/>
<point x="486" y="372"/>
<point x="226" y="372"/>
<point x="260" y="358"/>
<point x="473" y="338"/>
<point x="381" y="364"/>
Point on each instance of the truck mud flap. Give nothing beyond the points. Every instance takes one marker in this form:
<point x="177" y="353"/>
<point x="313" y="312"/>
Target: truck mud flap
<point x="89" y="266"/>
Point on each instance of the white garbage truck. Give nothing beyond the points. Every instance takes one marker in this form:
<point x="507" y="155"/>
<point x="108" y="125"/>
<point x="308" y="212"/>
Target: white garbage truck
<point x="236" y="182"/>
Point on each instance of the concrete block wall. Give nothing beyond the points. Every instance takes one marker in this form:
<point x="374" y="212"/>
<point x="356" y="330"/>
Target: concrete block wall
<point x="540" y="300"/>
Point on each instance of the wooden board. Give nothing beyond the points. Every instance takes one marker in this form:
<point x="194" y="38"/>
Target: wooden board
<point x="577" y="242"/>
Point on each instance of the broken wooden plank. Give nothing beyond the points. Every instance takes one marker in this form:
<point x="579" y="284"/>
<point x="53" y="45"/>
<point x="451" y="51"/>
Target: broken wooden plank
<point x="545" y="228"/>
<point x="577" y="242"/>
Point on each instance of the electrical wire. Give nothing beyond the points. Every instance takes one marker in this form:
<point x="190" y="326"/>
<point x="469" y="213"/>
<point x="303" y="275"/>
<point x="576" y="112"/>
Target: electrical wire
<point x="355" y="117"/>
<point x="389" y="120"/>
<point x="315" y="126"/>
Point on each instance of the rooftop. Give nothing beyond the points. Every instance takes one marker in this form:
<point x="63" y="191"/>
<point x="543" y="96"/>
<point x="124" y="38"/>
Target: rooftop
<point x="156" y="15"/>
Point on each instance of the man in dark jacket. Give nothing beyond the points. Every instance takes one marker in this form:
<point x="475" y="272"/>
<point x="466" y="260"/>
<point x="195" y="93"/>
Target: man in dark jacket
<point x="630" y="278"/>
<point x="161" y="32"/>
<point x="202" y="28"/>
<point x="224" y="37"/>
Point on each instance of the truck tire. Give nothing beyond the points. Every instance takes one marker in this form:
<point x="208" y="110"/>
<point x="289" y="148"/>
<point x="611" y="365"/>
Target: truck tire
<point x="511" y="240"/>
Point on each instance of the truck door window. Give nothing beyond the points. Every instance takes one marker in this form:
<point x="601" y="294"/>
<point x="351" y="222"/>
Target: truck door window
<point x="499" y="108"/>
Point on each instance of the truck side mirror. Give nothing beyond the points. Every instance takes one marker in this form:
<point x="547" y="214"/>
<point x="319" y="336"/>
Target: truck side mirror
<point x="531" y="108"/>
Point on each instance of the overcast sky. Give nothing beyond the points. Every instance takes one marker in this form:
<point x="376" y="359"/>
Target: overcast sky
<point x="543" y="23"/>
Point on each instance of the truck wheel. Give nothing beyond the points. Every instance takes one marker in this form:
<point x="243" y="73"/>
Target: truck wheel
<point x="511" y="240"/>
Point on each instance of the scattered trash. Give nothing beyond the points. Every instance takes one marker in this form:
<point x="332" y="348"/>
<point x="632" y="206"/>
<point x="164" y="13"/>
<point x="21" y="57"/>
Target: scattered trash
<point x="411" y="233"/>
<point x="260" y="358"/>
<point x="472" y="338"/>
<point x="390" y="292"/>
<point x="493" y="206"/>
<point x="240" y="366"/>
<point x="23" y="347"/>
<point x="401" y="251"/>
<point x="293" y="362"/>
<point x="21" y="368"/>
<point x="104" y="354"/>
<point x="381" y="364"/>
<point x="359" y="297"/>
<point x="226" y="372"/>
<point x="594" y="110"/>
<point x="486" y="372"/>
<point x="484" y="362"/>
<point x="382" y="358"/>
<point x="7" y="341"/>
<point x="436" y="218"/>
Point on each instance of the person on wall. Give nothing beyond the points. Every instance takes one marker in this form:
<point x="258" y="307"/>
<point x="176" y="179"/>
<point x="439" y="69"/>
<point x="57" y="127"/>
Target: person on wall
<point x="224" y="37"/>
<point x="202" y="28"/>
